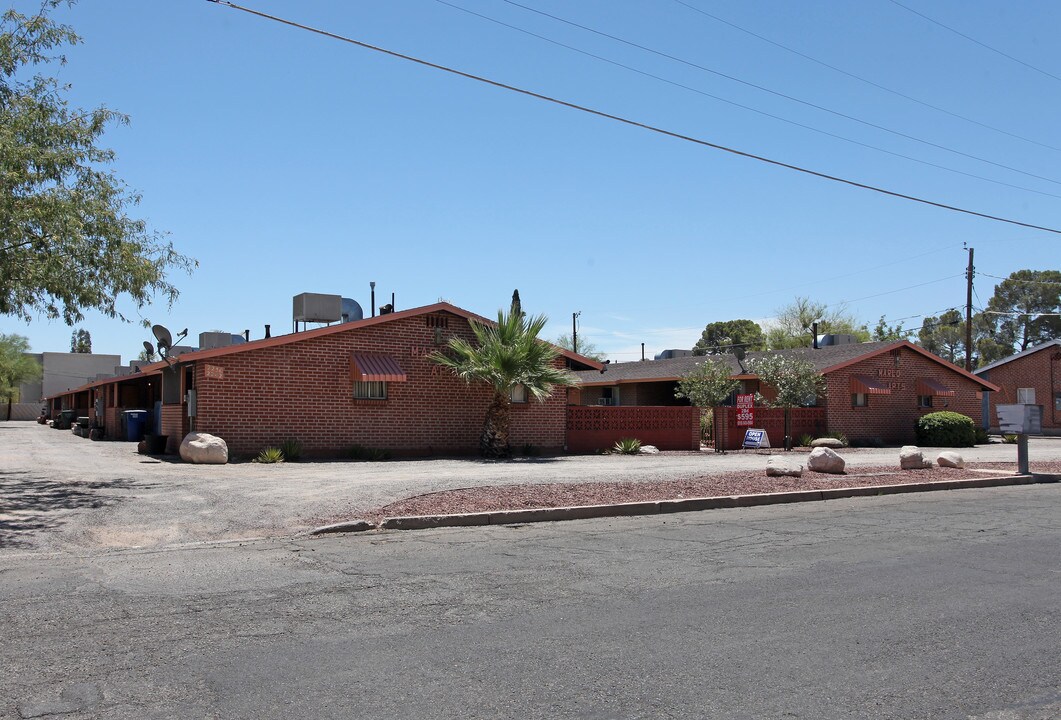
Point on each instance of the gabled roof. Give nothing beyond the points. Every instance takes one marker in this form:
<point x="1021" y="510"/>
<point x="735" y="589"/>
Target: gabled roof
<point x="355" y="325"/>
<point x="825" y="360"/>
<point x="1024" y="353"/>
<point x="278" y="340"/>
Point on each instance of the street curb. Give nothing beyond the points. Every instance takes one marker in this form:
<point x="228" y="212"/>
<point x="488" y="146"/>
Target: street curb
<point x="658" y="507"/>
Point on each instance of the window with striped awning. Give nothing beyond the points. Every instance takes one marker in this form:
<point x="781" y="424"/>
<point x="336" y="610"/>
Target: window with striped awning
<point x="927" y="386"/>
<point x="375" y="367"/>
<point x="864" y="384"/>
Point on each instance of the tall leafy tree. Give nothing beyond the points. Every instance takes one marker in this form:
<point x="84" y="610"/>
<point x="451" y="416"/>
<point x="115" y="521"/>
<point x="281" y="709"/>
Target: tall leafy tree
<point x="1024" y="310"/>
<point x="795" y="381"/>
<point x="883" y="331"/>
<point x="16" y="367"/>
<point x="944" y="336"/>
<point x="736" y="337"/>
<point x="81" y="341"/>
<point x="505" y="355"/>
<point x="793" y="325"/>
<point x="67" y="241"/>
<point x="708" y="385"/>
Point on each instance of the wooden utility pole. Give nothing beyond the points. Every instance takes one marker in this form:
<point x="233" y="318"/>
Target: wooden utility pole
<point x="969" y="313"/>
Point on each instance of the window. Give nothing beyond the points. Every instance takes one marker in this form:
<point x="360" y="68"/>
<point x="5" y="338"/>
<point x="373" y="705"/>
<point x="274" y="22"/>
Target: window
<point x="518" y="394"/>
<point x="924" y="401"/>
<point x="370" y="390"/>
<point x="859" y="399"/>
<point x="1025" y="396"/>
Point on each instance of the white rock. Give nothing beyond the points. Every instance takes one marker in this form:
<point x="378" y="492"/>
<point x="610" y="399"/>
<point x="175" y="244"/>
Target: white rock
<point x="825" y="460"/>
<point x="911" y="458"/>
<point x="204" y="448"/>
<point x="827" y="443"/>
<point x="649" y="450"/>
<point x="777" y="466"/>
<point x="951" y="459"/>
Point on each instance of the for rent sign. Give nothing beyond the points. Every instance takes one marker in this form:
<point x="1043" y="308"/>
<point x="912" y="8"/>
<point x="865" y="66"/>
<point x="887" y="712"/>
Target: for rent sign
<point x="745" y="410"/>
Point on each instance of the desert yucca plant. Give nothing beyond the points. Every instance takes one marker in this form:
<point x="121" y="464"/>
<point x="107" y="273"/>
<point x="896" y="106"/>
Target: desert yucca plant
<point x="628" y="446"/>
<point x="270" y="455"/>
<point x="292" y="449"/>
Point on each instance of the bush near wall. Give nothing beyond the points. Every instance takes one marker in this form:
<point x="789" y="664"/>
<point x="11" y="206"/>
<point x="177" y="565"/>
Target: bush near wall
<point x="946" y="429"/>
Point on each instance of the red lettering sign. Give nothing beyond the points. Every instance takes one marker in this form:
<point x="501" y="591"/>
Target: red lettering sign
<point x="745" y="410"/>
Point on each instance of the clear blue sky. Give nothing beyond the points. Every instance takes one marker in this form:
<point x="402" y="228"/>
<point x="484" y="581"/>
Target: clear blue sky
<point x="287" y="162"/>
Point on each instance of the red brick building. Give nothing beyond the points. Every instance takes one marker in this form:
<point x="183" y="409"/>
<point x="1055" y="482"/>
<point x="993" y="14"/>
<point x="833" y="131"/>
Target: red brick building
<point x="874" y="391"/>
<point x="368" y="382"/>
<point x="1032" y="377"/>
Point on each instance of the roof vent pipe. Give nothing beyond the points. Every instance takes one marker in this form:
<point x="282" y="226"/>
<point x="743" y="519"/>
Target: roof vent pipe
<point x="373" y="286"/>
<point x="247" y="335"/>
<point x="267" y="333"/>
<point x="814" y="330"/>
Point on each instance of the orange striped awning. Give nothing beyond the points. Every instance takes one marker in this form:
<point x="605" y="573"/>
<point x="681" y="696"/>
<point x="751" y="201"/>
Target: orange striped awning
<point x="373" y="367"/>
<point x="869" y="385"/>
<point x="927" y="386"/>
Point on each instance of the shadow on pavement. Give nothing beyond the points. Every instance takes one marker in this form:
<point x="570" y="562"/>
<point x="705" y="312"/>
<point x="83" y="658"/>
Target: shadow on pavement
<point x="31" y="504"/>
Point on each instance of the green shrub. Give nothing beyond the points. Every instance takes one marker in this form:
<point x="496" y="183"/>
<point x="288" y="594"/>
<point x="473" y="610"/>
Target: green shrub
<point x="805" y="440"/>
<point x="270" y="455"/>
<point x="628" y="446"/>
<point x="982" y="437"/>
<point x="946" y="429"/>
<point x="366" y="454"/>
<point x="292" y="449"/>
<point x="707" y="425"/>
<point x="1009" y="438"/>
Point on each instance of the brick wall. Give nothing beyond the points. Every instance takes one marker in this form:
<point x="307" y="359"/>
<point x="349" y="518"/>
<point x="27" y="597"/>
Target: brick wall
<point x="175" y="426"/>
<point x="597" y="428"/>
<point x="303" y="390"/>
<point x="892" y="418"/>
<point x="1040" y="370"/>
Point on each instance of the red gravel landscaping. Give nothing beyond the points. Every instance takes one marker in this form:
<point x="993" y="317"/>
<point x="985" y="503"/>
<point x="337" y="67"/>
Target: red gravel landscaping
<point x="524" y="497"/>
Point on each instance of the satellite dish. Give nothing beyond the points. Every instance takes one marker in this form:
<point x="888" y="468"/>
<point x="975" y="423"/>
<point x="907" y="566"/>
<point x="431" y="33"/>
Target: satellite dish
<point x="149" y="348"/>
<point x="165" y="340"/>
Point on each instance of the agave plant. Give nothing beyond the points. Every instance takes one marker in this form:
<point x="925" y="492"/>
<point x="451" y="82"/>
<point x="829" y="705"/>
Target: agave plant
<point x="628" y="446"/>
<point x="292" y="449"/>
<point x="270" y="455"/>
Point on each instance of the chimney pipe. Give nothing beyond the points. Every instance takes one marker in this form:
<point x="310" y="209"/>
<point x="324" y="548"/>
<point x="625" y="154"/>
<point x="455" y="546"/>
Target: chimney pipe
<point x="247" y="335"/>
<point x="373" y="286"/>
<point x="642" y="352"/>
<point x="814" y="329"/>
<point x="392" y="302"/>
<point x="267" y="333"/>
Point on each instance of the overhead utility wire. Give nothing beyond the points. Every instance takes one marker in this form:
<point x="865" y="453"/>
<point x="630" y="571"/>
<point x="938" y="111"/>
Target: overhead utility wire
<point x="975" y="41"/>
<point x="634" y="123"/>
<point x="867" y="81"/>
<point x="739" y="105"/>
<point x="1025" y="282"/>
<point x="778" y="93"/>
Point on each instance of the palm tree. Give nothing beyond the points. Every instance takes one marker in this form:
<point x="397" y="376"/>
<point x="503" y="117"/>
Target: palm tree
<point x="505" y="355"/>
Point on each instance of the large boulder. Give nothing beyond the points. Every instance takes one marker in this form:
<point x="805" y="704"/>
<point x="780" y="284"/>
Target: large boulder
<point x="204" y="448"/>
<point x="825" y="460"/>
<point x="951" y="459"/>
<point x="777" y="466"/>
<point x="649" y="450"/>
<point x="827" y="442"/>
<point x="911" y="458"/>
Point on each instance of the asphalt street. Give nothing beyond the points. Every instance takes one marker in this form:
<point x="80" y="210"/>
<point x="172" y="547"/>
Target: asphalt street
<point x="937" y="605"/>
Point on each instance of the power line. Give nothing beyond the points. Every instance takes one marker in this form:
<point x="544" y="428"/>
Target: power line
<point x="864" y="80"/>
<point x="739" y="105"/>
<point x="778" y="93"/>
<point x="1023" y="282"/>
<point x="634" y="123"/>
<point x="975" y="41"/>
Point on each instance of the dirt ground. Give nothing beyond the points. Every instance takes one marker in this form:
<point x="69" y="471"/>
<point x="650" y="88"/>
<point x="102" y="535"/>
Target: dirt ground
<point x="62" y="493"/>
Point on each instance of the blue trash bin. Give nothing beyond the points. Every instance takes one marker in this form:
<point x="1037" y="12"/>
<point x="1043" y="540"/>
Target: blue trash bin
<point x="135" y="424"/>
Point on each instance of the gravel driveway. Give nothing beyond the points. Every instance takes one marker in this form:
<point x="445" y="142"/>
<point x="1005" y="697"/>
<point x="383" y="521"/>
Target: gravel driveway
<point x="59" y="492"/>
